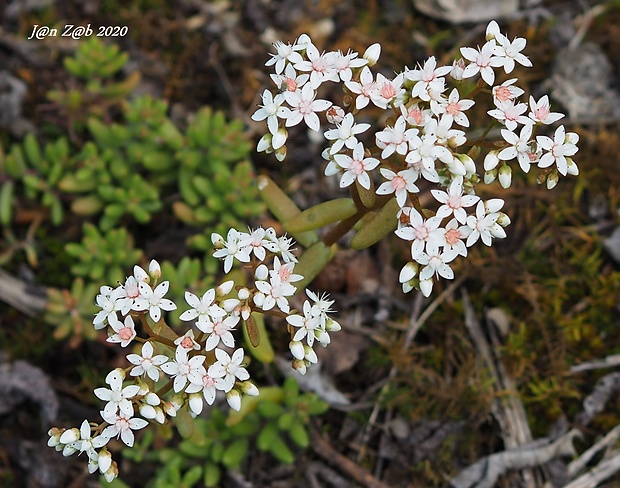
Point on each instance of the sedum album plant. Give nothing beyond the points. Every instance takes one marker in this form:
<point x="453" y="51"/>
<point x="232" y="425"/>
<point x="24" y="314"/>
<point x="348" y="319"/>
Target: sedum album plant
<point x="174" y="375"/>
<point x="424" y="143"/>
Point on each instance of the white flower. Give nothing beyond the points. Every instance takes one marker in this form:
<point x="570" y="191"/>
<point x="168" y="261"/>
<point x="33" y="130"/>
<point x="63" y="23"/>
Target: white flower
<point x="274" y="293"/>
<point x="184" y="368"/>
<point x="123" y="333"/>
<point x="202" y="308"/>
<point x="153" y="300"/>
<point x="453" y="108"/>
<point x="118" y="398"/>
<point x="436" y="262"/>
<point x="147" y="363"/>
<point x="454" y="202"/>
<point x="561" y="146"/>
<point x="227" y="369"/>
<point x="366" y="89"/>
<point x="482" y="61"/>
<point x="356" y="167"/>
<point x="426" y="148"/>
<point x="187" y="341"/>
<point x="401" y="184"/>
<point x="429" y="79"/>
<point x="304" y="107"/>
<point x="110" y="300"/>
<point x="506" y="91"/>
<point x="344" y="63"/>
<point x="454" y="235"/>
<point x="205" y="384"/>
<point x="307" y="324"/>
<point x="320" y="65"/>
<point x="122" y="426"/>
<point x="415" y="115"/>
<point x="271" y="109"/>
<point x="510" y="113"/>
<point x="231" y="248"/>
<point x="259" y="242"/>
<point x="510" y="52"/>
<point x="389" y="91"/>
<point x="420" y="231"/>
<point x="220" y="329"/>
<point x="344" y="133"/>
<point x="519" y="147"/>
<point x="284" y="272"/>
<point x="541" y="111"/>
<point x="285" y="52"/>
<point x="484" y="224"/>
<point x="290" y="80"/>
<point x="395" y="139"/>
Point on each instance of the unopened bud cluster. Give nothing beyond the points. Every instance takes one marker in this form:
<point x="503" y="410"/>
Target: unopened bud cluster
<point x="425" y="139"/>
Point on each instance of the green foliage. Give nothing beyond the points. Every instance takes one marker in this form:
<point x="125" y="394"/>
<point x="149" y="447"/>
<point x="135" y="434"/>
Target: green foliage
<point x="94" y="65"/>
<point x="275" y="421"/>
<point x="103" y="257"/>
<point x="71" y="311"/>
<point x="126" y="175"/>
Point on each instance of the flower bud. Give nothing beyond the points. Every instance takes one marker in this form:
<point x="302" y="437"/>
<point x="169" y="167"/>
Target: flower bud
<point x="261" y="273"/>
<point x="552" y="179"/>
<point x="218" y="241"/>
<point x="54" y="434"/>
<point x="104" y="460"/>
<point x="468" y="163"/>
<point x="297" y="349"/>
<point x="572" y="167"/>
<point x="299" y="365"/>
<point x="159" y="415"/>
<point x="322" y="337"/>
<point x="331" y="325"/>
<point x="334" y="114"/>
<point x="279" y="139"/>
<point x="259" y="299"/>
<point x="147" y="411"/>
<point x="69" y="436"/>
<point x="154" y="270"/>
<point x="505" y="176"/>
<point x="409" y="271"/>
<point x="281" y="154"/>
<point x="503" y="219"/>
<point x="111" y="473"/>
<point x="233" y="397"/>
<point x="490" y="176"/>
<point x="249" y="388"/>
<point x="372" y="54"/>
<point x="243" y="294"/>
<point x="310" y="355"/>
<point x="152" y="399"/>
<point x="491" y="160"/>
<point x="457" y="69"/>
<point x="230" y="304"/>
<point x="264" y="144"/>
<point x="224" y="289"/>
<point x="195" y="403"/>
<point x="426" y="287"/>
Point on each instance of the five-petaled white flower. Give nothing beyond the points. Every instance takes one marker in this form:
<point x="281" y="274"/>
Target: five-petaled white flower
<point x="153" y="300"/>
<point x="356" y="167"/>
<point x="146" y="363"/>
<point x="124" y="333"/>
<point x="184" y="368"/>
<point x="118" y="398"/>
<point x="304" y="107"/>
<point x="561" y="146"/>
<point x="228" y="369"/>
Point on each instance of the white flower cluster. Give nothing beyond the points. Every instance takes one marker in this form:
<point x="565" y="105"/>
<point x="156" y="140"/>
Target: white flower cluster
<point x="425" y="140"/>
<point x="161" y="385"/>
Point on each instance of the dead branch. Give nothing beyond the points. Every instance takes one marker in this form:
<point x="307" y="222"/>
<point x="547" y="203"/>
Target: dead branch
<point x="605" y="469"/>
<point x="20" y="296"/>
<point x="346" y="465"/>
<point x="485" y="472"/>
<point x="578" y="464"/>
<point x="607" y="362"/>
